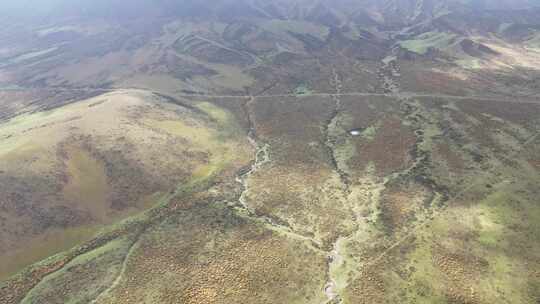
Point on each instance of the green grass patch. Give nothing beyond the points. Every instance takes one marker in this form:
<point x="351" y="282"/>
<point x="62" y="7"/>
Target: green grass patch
<point x="218" y="114"/>
<point x="370" y="132"/>
<point x="100" y="266"/>
<point x="469" y="63"/>
<point x="225" y="122"/>
<point x="533" y="41"/>
<point x="422" y="43"/>
<point x="302" y="90"/>
<point x="426" y="282"/>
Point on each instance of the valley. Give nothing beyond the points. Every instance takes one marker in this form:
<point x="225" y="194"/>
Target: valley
<point x="271" y="152"/>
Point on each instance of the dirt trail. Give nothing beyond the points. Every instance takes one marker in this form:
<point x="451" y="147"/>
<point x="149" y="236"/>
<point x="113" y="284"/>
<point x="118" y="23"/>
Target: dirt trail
<point x="256" y="59"/>
<point x="509" y="99"/>
<point x="122" y="272"/>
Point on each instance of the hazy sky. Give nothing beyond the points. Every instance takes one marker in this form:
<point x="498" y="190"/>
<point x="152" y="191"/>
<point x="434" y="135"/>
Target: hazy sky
<point x="131" y="7"/>
<point x="69" y="7"/>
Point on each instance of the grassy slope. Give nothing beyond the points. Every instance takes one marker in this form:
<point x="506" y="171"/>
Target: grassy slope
<point x="422" y="43"/>
<point x="48" y="144"/>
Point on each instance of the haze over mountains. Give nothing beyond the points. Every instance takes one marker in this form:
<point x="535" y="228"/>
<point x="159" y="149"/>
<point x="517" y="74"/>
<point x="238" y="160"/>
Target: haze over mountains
<point x="69" y="36"/>
<point x="101" y="7"/>
<point x="250" y="151"/>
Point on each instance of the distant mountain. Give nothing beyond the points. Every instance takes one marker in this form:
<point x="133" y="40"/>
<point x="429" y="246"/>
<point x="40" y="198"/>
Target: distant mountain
<point x="400" y="9"/>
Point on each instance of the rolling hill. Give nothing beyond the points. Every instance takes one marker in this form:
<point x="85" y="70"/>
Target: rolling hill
<point x="249" y="151"/>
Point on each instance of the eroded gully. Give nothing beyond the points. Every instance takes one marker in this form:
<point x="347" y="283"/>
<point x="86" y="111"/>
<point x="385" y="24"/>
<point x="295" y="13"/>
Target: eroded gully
<point x="262" y="158"/>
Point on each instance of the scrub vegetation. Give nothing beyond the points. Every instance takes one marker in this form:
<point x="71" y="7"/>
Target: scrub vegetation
<point x="276" y="151"/>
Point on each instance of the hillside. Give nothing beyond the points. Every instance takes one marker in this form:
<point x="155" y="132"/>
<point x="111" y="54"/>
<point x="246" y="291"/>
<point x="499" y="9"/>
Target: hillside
<point x="249" y="151"/>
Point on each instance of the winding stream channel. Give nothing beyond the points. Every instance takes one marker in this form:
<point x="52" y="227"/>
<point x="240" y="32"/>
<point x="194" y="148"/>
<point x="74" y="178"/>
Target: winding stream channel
<point x="262" y="157"/>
